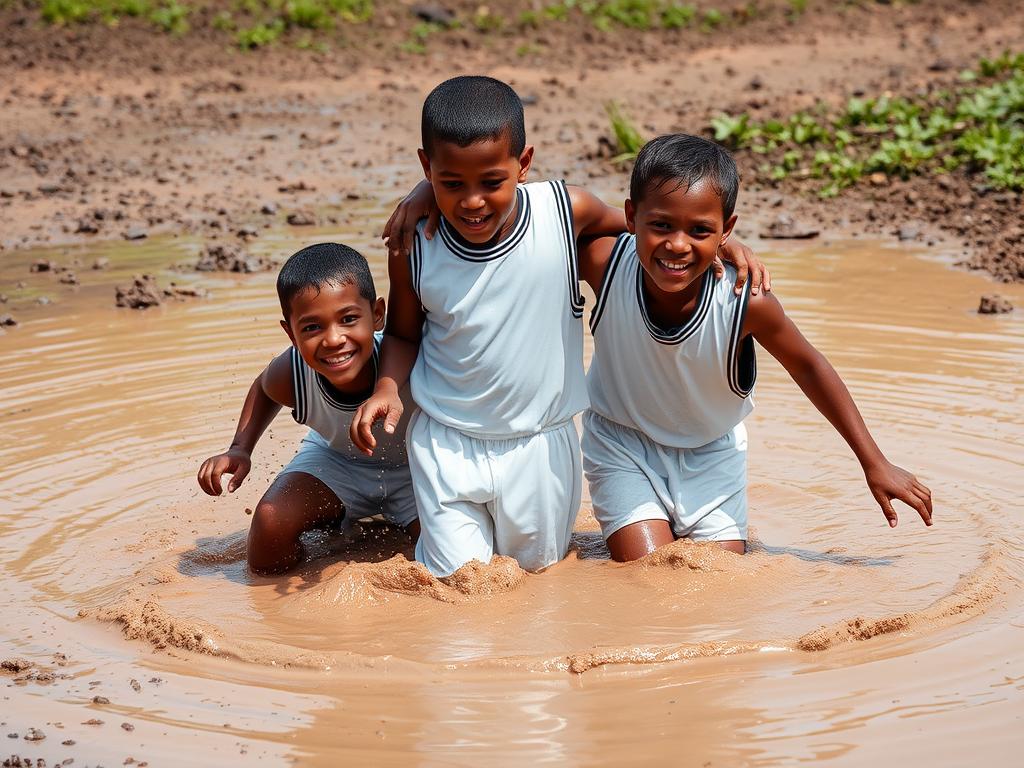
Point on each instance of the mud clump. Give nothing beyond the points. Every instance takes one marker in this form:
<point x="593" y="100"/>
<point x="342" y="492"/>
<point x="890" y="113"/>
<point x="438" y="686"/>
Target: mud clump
<point x="218" y="257"/>
<point x="785" y="227"/>
<point x="475" y="579"/>
<point x="15" y="666"/>
<point x="147" y="620"/>
<point x="143" y="292"/>
<point x="684" y="554"/>
<point x="851" y="631"/>
<point x="994" y="304"/>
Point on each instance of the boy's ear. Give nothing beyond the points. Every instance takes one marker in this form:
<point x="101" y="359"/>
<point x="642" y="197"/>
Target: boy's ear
<point x="378" y="314"/>
<point x="288" y="329"/>
<point x="525" y="161"/>
<point x="727" y="229"/>
<point x="630" y="216"/>
<point x="425" y="162"/>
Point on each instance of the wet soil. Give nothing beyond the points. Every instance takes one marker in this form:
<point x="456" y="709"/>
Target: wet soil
<point x="128" y="133"/>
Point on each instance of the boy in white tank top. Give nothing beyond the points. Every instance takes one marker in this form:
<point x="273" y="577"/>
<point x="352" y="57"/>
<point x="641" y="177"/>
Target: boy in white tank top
<point x="485" y="320"/>
<point x="332" y="316"/>
<point x="664" y="447"/>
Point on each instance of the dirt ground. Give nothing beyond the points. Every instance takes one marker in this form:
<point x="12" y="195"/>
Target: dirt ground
<point x="125" y="133"/>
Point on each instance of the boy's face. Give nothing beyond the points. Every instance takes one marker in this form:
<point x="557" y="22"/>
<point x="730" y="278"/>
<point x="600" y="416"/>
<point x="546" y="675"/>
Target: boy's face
<point x="678" y="232"/>
<point x="333" y="330"/>
<point x="475" y="186"/>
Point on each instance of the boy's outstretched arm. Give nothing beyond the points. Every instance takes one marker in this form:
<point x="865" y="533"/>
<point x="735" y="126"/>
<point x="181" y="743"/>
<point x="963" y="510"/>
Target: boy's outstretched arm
<point x="767" y="322"/>
<point x="271" y="391"/>
<point x="593" y="217"/>
<point x="402" y="333"/>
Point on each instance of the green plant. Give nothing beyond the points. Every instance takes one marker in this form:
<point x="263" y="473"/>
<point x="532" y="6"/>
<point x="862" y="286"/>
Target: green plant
<point x="676" y="16"/>
<point x="171" y="17"/>
<point x="628" y="140"/>
<point x="65" y="11"/>
<point x="711" y="19"/>
<point x="259" y="35"/>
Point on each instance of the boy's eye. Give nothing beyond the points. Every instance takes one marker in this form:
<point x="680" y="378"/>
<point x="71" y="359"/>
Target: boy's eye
<point x="493" y="183"/>
<point x="451" y="184"/>
<point x="310" y="327"/>
<point x="349" y="319"/>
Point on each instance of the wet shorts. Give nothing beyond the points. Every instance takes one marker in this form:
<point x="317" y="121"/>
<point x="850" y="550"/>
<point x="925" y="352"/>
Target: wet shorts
<point x="366" y="489"/>
<point x="701" y="492"/>
<point x="482" y="497"/>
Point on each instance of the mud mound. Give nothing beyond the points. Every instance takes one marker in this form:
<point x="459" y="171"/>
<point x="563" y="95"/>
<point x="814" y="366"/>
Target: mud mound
<point x="969" y="598"/>
<point x="145" y="619"/>
<point x="369" y="583"/>
<point x="689" y="555"/>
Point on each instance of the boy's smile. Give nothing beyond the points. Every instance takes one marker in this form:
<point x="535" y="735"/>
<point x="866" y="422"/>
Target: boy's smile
<point x="475" y="186"/>
<point x="678" y="233"/>
<point x="332" y="327"/>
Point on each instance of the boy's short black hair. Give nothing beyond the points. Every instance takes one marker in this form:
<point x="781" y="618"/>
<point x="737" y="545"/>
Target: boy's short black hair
<point x="683" y="160"/>
<point x="323" y="264"/>
<point x="472" y="108"/>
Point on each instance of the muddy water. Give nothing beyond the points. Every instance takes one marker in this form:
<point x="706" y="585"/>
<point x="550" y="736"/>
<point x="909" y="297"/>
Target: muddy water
<point x="835" y="639"/>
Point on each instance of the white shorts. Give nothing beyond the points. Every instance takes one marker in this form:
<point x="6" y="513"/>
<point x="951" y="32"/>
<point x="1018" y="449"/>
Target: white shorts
<point x="481" y="497"/>
<point x="366" y="489"/>
<point x="701" y="492"/>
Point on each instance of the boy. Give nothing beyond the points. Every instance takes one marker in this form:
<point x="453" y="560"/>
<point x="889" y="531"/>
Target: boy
<point x="331" y="315"/>
<point x="664" y="446"/>
<point x="485" y="321"/>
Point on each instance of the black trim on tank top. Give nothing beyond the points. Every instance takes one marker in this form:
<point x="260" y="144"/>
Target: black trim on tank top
<point x="687" y="329"/>
<point x="614" y="259"/>
<point x="489" y="251"/>
<point x="564" y="205"/>
<point x="741" y="364"/>
<point x="298" y="386"/>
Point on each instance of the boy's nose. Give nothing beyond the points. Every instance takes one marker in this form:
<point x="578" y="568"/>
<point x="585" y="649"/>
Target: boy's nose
<point x="334" y="337"/>
<point x="678" y="243"/>
<point x="473" y="201"/>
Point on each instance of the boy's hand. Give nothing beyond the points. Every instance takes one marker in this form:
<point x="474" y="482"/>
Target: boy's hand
<point x="401" y="227"/>
<point x="747" y="264"/>
<point x="888" y="482"/>
<point x="234" y="461"/>
<point x="385" y="404"/>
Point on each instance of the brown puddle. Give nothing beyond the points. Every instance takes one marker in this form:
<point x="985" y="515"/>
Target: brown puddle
<point x="362" y="655"/>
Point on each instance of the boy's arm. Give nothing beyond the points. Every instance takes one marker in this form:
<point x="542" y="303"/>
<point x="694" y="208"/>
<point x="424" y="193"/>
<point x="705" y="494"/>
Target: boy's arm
<point x="767" y="322"/>
<point x="401" y="226"/>
<point x="402" y="333"/>
<point x="270" y="391"/>
<point x="593" y="217"/>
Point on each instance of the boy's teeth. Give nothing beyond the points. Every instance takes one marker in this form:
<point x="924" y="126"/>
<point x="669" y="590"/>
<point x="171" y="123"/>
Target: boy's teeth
<point x="339" y="358"/>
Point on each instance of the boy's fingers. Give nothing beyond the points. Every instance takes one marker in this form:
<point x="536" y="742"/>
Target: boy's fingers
<point x="391" y="420"/>
<point x="742" y="270"/>
<point x="237" y="478"/>
<point x="718" y="266"/>
<point x="767" y="282"/>
<point x="214" y="481"/>
<point x="924" y="499"/>
<point x="887" y="510"/>
<point x="433" y="219"/>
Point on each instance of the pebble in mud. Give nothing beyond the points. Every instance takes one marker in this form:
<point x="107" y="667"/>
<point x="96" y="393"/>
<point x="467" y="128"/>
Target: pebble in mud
<point x="303" y="218"/>
<point x="7" y="321"/>
<point x="34" y="734"/>
<point x="994" y="304"/>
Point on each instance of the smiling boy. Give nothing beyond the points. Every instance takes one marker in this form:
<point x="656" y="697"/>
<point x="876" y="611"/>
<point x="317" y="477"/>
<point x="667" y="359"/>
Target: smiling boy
<point x="331" y="316"/>
<point x="485" y="321"/>
<point x="670" y="383"/>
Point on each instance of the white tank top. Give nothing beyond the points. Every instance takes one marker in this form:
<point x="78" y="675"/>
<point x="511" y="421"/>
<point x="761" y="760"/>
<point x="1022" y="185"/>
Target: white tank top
<point x="683" y="387"/>
<point x="502" y="348"/>
<point x="328" y="413"/>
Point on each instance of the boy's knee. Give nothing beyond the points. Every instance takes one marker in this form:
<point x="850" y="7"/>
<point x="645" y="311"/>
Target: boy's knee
<point x="273" y="542"/>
